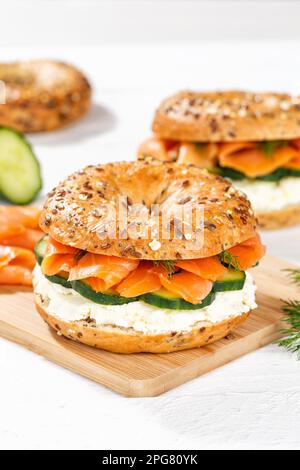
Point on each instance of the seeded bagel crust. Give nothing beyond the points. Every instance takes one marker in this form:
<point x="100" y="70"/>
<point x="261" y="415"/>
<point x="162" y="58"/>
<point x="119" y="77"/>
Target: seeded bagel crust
<point x="279" y="219"/>
<point x="72" y="213"/>
<point x="228" y="116"/>
<point x="127" y="341"/>
<point x="42" y="95"/>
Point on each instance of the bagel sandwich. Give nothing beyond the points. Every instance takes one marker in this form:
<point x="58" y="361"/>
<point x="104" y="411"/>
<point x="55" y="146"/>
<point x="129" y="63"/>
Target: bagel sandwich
<point x="42" y="95"/>
<point x="149" y="284"/>
<point x="251" y="138"/>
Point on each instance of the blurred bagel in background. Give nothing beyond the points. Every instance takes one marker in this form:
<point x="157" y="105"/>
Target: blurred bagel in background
<point x="42" y="95"/>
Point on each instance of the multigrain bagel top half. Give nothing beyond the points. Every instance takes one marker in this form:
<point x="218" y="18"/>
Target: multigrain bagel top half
<point x="228" y="116"/>
<point x="73" y="212"/>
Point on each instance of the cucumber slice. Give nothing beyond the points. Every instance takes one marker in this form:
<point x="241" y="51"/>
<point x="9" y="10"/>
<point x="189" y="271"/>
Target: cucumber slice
<point x="164" y="299"/>
<point x="59" y="280"/>
<point x="104" y="298"/>
<point x="231" y="174"/>
<point x="278" y="174"/>
<point x="20" y="175"/>
<point x="275" y="176"/>
<point x="232" y="280"/>
<point x="39" y="249"/>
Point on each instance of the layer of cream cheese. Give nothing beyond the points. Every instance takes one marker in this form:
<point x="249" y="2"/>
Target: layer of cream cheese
<point x="269" y="196"/>
<point x="70" y="306"/>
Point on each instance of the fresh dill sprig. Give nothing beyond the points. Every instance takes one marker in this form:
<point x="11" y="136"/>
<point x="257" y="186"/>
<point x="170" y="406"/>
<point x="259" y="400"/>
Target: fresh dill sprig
<point x="270" y="146"/>
<point x="168" y="264"/>
<point x="294" y="275"/>
<point x="291" y="338"/>
<point x="291" y="308"/>
<point x="229" y="260"/>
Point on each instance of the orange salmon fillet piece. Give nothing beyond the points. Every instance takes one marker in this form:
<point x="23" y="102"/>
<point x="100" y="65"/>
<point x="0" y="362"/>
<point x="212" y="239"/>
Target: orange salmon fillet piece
<point x="208" y="268"/>
<point x="189" y="286"/>
<point x="251" y="160"/>
<point x="144" y="279"/>
<point x="110" y="269"/>
<point x="249" y="252"/>
<point x="16" y="265"/>
<point x="160" y="149"/>
<point x="58" y="257"/>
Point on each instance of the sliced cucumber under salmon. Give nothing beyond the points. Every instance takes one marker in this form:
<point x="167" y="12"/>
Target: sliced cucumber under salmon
<point x="104" y="298"/>
<point x="276" y="175"/>
<point x="165" y="299"/>
<point x="20" y="174"/>
<point x="40" y="249"/>
<point x="232" y="280"/>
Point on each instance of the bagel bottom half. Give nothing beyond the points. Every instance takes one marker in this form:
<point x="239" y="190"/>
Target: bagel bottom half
<point x="127" y="341"/>
<point x="285" y="217"/>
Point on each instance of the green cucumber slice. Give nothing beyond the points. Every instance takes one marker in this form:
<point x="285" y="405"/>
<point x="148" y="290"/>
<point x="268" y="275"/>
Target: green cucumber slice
<point x="232" y="280"/>
<point x="59" y="280"/>
<point x="164" y="299"/>
<point x="104" y="298"/>
<point x="275" y="176"/>
<point x="280" y="173"/>
<point x="39" y="249"/>
<point x="20" y="175"/>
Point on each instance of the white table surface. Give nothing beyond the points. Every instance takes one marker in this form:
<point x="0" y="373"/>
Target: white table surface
<point x="254" y="402"/>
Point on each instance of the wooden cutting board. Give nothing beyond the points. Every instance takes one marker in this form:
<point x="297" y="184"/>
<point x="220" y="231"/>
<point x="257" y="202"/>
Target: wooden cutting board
<point x="140" y="375"/>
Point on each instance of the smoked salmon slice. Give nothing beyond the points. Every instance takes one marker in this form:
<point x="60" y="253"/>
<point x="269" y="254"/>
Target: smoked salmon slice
<point x="189" y="286"/>
<point x="24" y="216"/>
<point x="251" y="160"/>
<point x="144" y="279"/>
<point x="16" y="265"/>
<point x="27" y="239"/>
<point x="160" y="149"/>
<point x="19" y="226"/>
<point x="203" y="155"/>
<point x="15" y="275"/>
<point x="110" y="269"/>
<point x="248" y="253"/>
<point x="58" y="257"/>
<point x="208" y="268"/>
<point x="14" y="256"/>
<point x="98" y="285"/>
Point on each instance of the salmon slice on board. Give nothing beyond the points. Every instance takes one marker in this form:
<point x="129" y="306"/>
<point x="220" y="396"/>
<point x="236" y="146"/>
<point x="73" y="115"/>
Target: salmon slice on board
<point x="251" y="160"/>
<point x="15" y="275"/>
<point x="248" y="253"/>
<point x="14" y="220"/>
<point x="189" y="286"/>
<point x="144" y="279"/>
<point x="16" y="266"/>
<point x="208" y="268"/>
<point x="27" y="239"/>
<point x="111" y="269"/>
<point x="26" y="216"/>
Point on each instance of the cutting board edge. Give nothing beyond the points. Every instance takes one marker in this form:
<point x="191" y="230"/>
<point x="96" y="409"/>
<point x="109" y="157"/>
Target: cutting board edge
<point x="154" y="387"/>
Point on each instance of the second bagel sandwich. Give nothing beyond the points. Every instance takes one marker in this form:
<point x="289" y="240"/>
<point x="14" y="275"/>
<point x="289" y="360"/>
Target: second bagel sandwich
<point x="108" y="276"/>
<point x="251" y="138"/>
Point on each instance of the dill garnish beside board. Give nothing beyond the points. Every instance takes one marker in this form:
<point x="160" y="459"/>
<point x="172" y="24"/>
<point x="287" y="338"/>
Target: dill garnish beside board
<point x="291" y="308"/>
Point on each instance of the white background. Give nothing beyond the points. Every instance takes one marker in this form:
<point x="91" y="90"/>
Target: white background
<point x="136" y="53"/>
